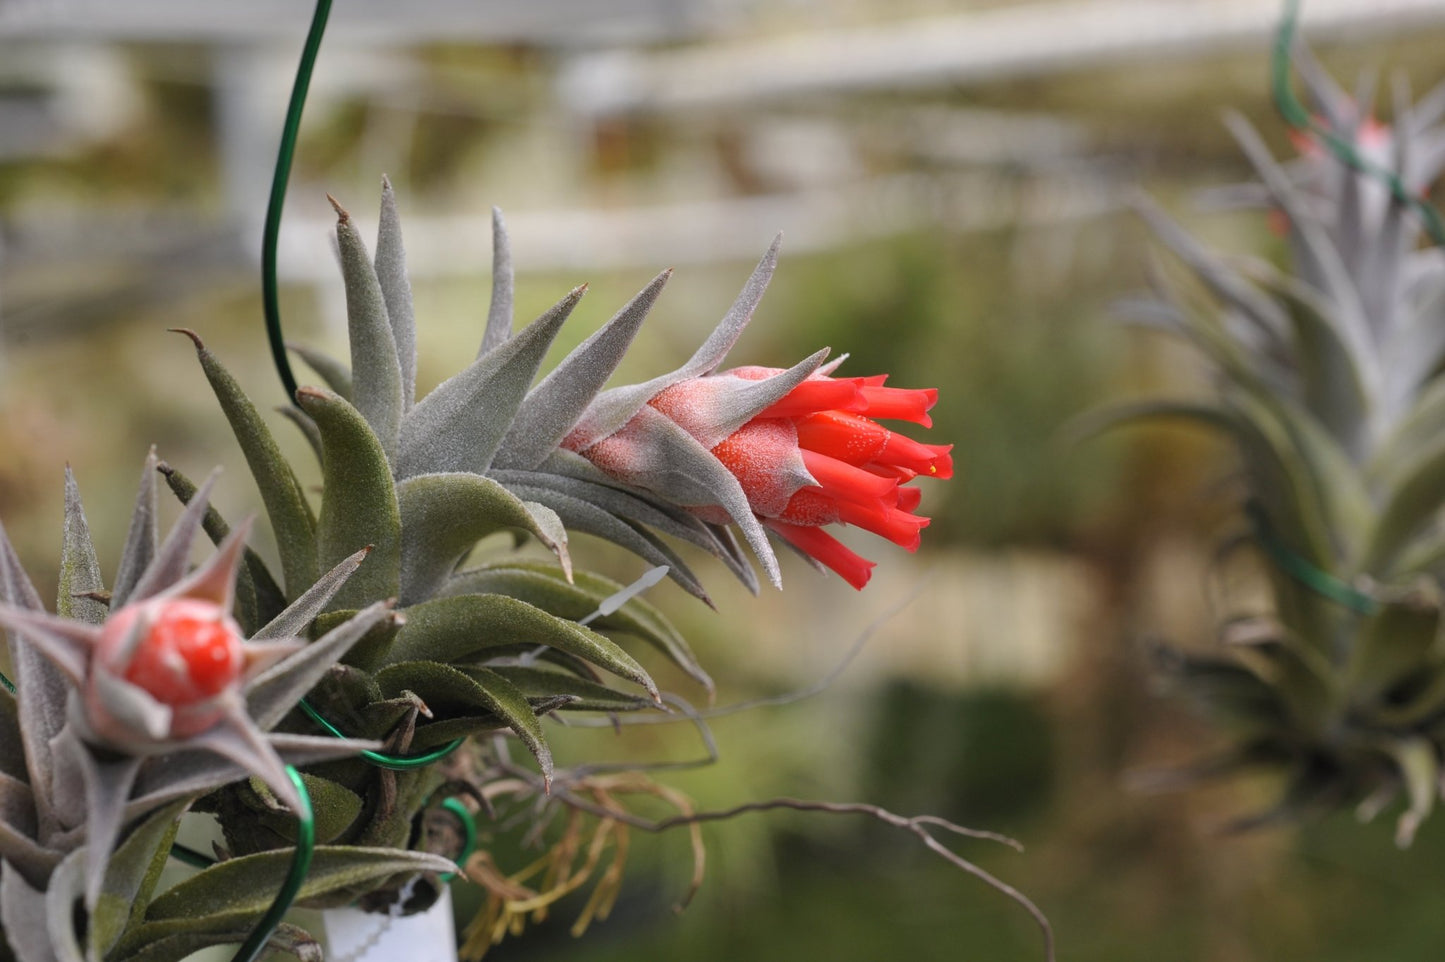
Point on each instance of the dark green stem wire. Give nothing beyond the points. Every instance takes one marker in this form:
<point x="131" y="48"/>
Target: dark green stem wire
<point x="300" y="865"/>
<point x="287" y="152"/>
<point x="1297" y="117"/>
<point x="397" y="763"/>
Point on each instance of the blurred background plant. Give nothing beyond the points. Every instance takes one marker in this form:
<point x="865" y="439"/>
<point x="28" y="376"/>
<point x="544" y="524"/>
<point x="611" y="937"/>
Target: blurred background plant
<point x="953" y="199"/>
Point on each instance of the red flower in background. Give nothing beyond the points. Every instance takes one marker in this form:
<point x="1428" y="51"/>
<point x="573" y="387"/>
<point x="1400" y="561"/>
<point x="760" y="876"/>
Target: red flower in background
<point x="815" y="457"/>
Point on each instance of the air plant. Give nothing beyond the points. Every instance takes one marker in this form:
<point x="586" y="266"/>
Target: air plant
<point x="421" y="480"/>
<point x="1329" y="383"/>
<point x="131" y="704"/>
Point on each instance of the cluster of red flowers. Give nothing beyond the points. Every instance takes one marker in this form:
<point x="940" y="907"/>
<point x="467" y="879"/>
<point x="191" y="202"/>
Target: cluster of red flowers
<point x="861" y="469"/>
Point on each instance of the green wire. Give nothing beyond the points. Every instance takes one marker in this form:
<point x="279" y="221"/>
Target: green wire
<point x="300" y="865"/>
<point x="1320" y="582"/>
<point x="469" y="830"/>
<point x="269" y="299"/>
<point x="9" y="685"/>
<point x="397" y="763"/>
<point x="1295" y="114"/>
<point x="191" y="857"/>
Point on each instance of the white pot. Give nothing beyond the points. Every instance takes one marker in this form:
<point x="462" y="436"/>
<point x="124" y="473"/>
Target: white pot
<point x="355" y="936"/>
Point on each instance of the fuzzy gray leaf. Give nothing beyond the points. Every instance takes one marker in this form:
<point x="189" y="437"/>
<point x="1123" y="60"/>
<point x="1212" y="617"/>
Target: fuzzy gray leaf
<point x="40" y="684"/>
<point x="545" y="587"/>
<point x="131" y="878"/>
<point x="142" y="539"/>
<point x="554" y="405"/>
<point x="444" y="515"/>
<point x="79" y="568"/>
<point x="499" y="314"/>
<point x="451" y="693"/>
<point x="358" y="503"/>
<point x="286" y="505"/>
<point x="334" y="372"/>
<point x="459" y="426"/>
<point x="612" y="409"/>
<point x="375" y="369"/>
<point x="460" y="629"/>
<point x="275" y="691"/>
<point x="396" y="291"/>
<point x="580" y="515"/>
<point x="294" y="620"/>
<point x="169" y="564"/>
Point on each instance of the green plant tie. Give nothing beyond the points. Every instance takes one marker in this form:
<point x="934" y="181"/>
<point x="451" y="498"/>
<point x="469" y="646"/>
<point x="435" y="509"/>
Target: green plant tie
<point x="300" y="865"/>
<point x="1291" y="563"/>
<point x="191" y="857"/>
<point x="1295" y="114"/>
<point x="469" y="832"/>
<point x="397" y="763"/>
<point x="270" y="300"/>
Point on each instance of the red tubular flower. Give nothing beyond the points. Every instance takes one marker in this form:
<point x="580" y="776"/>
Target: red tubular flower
<point x="857" y="466"/>
<point x="761" y="448"/>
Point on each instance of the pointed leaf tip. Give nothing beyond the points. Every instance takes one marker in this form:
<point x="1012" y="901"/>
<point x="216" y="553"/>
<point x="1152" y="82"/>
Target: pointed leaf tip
<point x="195" y="338"/>
<point x="342" y="215"/>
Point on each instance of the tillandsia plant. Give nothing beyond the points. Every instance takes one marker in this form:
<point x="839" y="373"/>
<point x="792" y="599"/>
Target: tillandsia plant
<point x="1330" y="384"/>
<point x="420" y="481"/>
<point x="130" y="704"/>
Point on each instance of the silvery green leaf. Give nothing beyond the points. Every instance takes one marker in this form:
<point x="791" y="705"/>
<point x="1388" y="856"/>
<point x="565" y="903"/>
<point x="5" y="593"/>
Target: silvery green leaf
<point x="286" y="506"/>
<point x="499" y="314"/>
<point x="444" y="515"/>
<point x="79" y="568"/>
<point x="396" y="290"/>
<point x="19" y="848"/>
<point x="614" y="500"/>
<point x="189" y="772"/>
<point x="734" y="557"/>
<point x="287" y="939"/>
<point x="583" y="695"/>
<point x="545" y="587"/>
<point x="686" y="473"/>
<point x="1408" y="507"/>
<point x="358" y="502"/>
<point x="41" y="686"/>
<point x="583" y="516"/>
<point x="142" y="539"/>
<point x="614" y="408"/>
<point x="238" y="739"/>
<point x="107" y="782"/>
<point x="304" y="424"/>
<point x="258" y="597"/>
<point x="131" y="878"/>
<point x="21" y="905"/>
<point x="459" y="425"/>
<point x="736" y="401"/>
<point x="1415" y="352"/>
<point x="334" y="372"/>
<point x="634" y="504"/>
<point x="232" y="894"/>
<point x="463" y="628"/>
<point x="170" y="562"/>
<point x="276" y="690"/>
<point x="376" y="379"/>
<point x="451" y="692"/>
<point x="552" y="407"/>
<point x="1422" y="425"/>
<point x="1319" y="262"/>
<point x="294" y="620"/>
<point x="1333" y="391"/>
